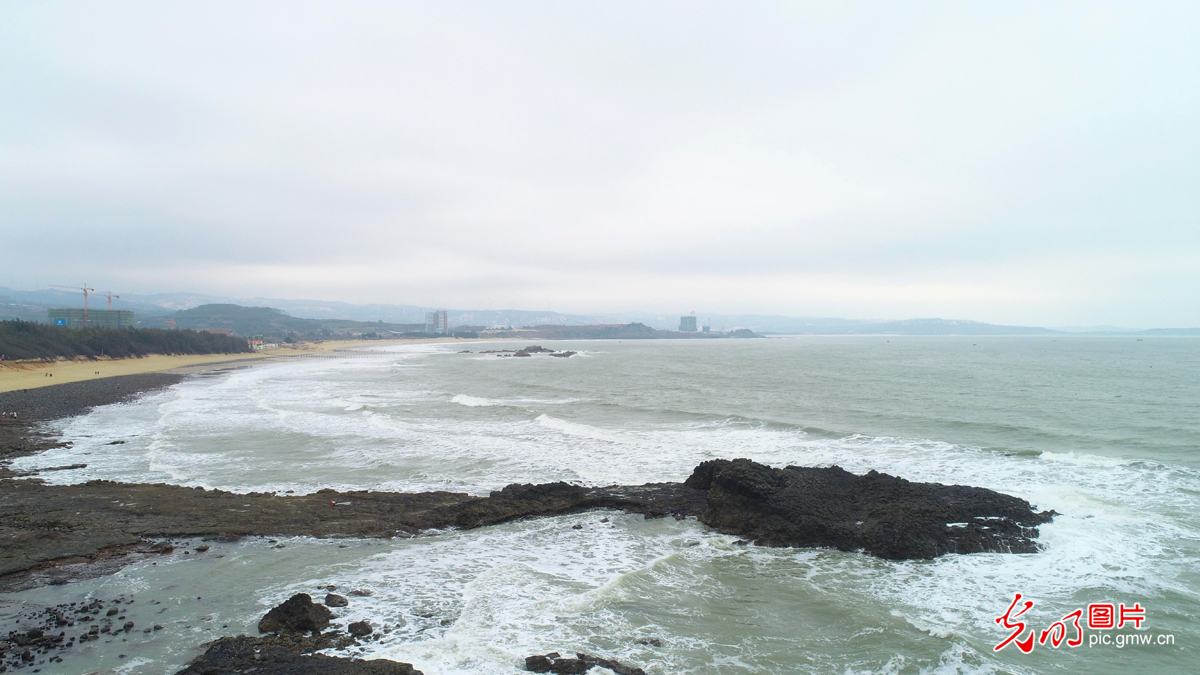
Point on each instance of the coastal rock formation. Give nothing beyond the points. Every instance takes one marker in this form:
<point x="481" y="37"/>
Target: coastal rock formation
<point x="876" y="513"/>
<point x="527" y="351"/>
<point x="48" y="633"/>
<point x="283" y="656"/>
<point x="45" y="526"/>
<point x="525" y="500"/>
<point x="298" y="614"/>
<point x="292" y="654"/>
<point x="556" y="663"/>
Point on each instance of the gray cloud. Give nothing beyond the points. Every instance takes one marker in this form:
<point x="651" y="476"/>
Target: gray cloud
<point x="1017" y="164"/>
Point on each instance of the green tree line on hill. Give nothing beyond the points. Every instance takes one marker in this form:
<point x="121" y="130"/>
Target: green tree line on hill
<point x="271" y="323"/>
<point x="30" y="340"/>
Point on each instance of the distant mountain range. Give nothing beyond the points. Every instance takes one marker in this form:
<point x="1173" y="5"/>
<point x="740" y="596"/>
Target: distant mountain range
<point x="339" y="317"/>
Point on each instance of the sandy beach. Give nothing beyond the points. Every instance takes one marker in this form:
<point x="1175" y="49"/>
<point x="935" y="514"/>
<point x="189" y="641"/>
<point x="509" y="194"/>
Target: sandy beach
<point x="16" y="375"/>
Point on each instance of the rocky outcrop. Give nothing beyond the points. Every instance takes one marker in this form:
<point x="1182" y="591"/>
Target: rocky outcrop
<point x="795" y="506"/>
<point x="284" y="656"/>
<point x="525" y="500"/>
<point x="829" y="507"/>
<point x="526" y="352"/>
<point x="289" y="651"/>
<point x="557" y="663"/>
<point x="876" y="513"/>
<point x="298" y="614"/>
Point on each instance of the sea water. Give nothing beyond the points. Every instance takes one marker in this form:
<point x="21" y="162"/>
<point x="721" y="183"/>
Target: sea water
<point x="1105" y="431"/>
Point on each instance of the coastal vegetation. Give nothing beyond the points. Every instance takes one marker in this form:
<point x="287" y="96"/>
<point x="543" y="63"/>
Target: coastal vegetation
<point x="275" y="324"/>
<point x="29" y="340"/>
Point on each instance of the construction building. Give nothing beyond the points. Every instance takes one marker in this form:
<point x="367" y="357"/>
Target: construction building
<point x="687" y="324"/>
<point x="437" y="322"/>
<point x="91" y="318"/>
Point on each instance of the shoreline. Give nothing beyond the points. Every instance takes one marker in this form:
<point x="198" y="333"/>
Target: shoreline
<point x="21" y="375"/>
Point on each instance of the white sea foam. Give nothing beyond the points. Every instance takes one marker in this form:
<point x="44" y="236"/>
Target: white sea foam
<point x="475" y="401"/>
<point x="576" y="429"/>
<point x="525" y="403"/>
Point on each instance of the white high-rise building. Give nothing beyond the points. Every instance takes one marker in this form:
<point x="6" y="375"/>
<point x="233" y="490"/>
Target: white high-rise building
<point x="437" y="322"/>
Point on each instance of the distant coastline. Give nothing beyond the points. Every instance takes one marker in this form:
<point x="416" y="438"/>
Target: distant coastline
<point x="341" y="319"/>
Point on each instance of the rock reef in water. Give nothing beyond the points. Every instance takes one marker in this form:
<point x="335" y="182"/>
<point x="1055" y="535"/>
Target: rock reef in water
<point x="284" y="656"/>
<point x="876" y="513"/>
<point x="288" y="650"/>
<point x="293" y="653"/>
<point x="882" y="515"/>
<point x="582" y="663"/>
<point x="298" y="614"/>
<point x="525" y="352"/>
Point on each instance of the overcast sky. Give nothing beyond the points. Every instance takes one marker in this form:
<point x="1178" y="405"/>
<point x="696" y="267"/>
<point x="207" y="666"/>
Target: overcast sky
<point x="1030" y="163"/>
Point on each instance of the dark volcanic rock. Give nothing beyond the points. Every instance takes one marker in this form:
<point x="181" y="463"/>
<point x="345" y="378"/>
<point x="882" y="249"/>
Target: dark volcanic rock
<point x="335" y="600"/>
<point x="524" y="500"/>
<point x="283" y="656"/>
<point x="650" y="642"/>
<point x="359" y="628"/>
<point x="880" y="514"/>
<point x="298" y="614"/>
<point x="556" y="663"/>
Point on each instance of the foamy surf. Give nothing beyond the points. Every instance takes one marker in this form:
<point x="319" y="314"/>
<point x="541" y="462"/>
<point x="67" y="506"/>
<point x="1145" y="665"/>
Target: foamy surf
<point x="474" y="401"/>
<point x="576" y="429"/>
